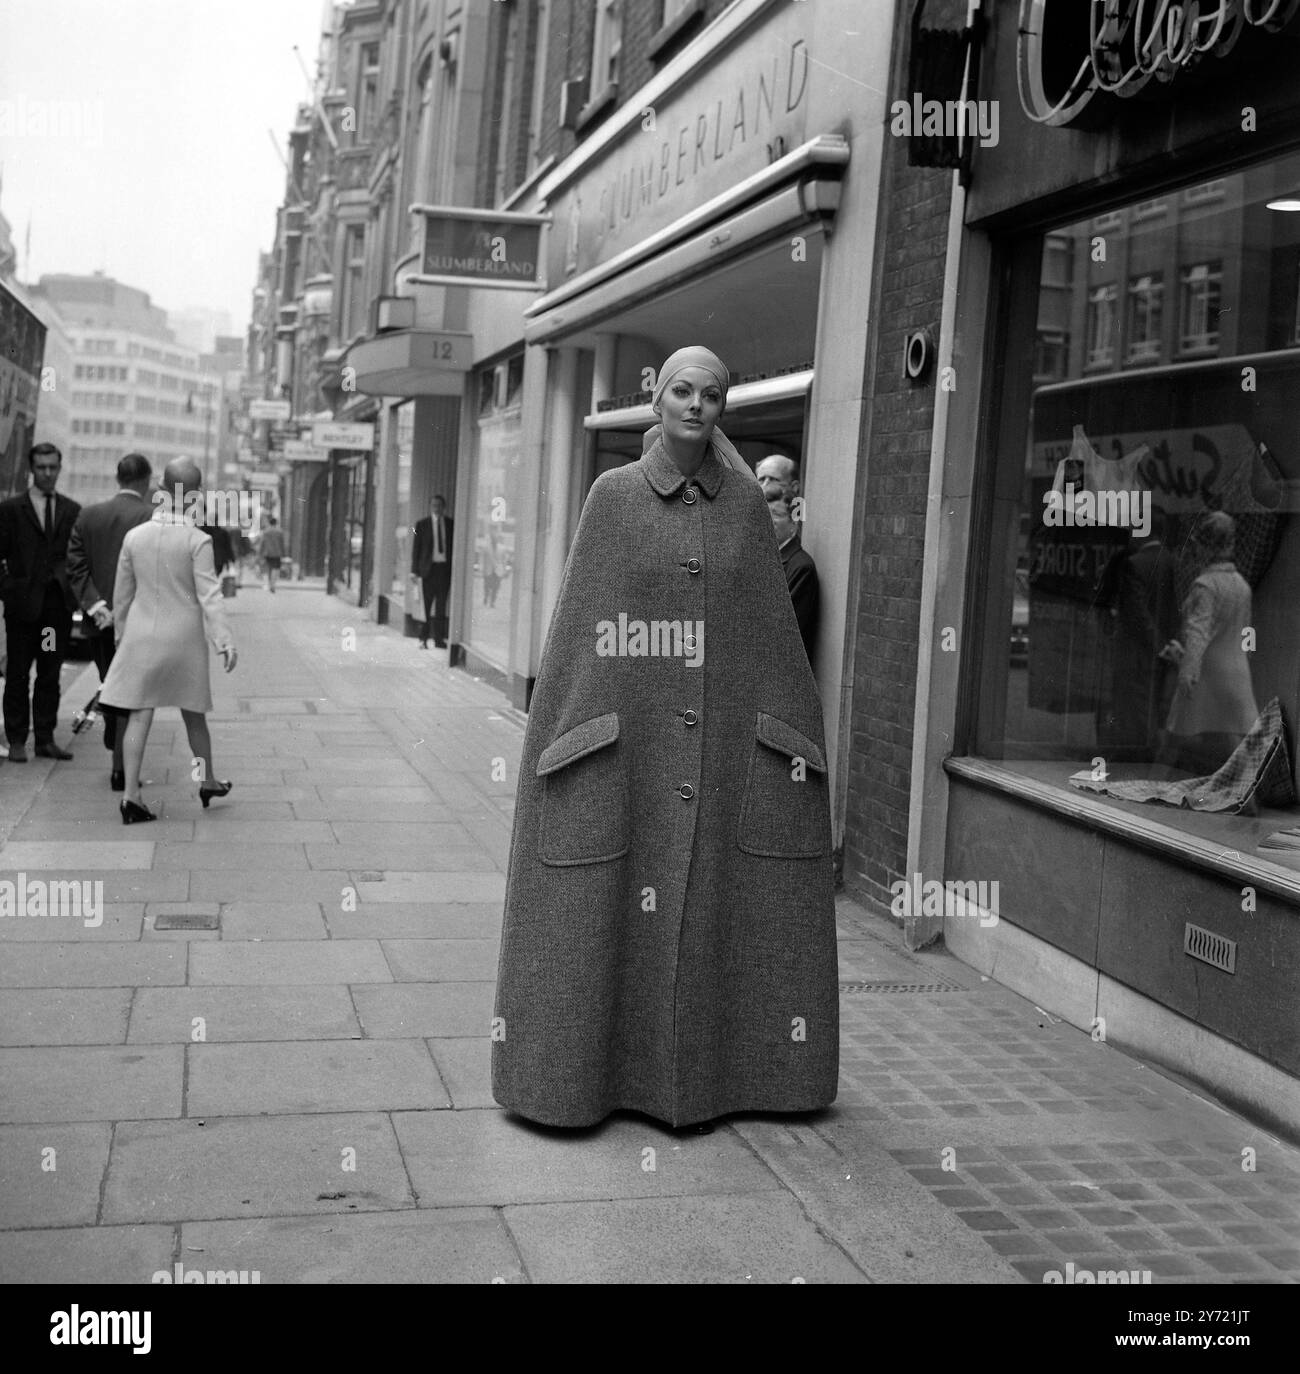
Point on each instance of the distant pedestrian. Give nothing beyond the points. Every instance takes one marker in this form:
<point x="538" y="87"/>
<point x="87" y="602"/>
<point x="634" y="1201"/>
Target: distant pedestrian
<point x="93" y="553"/>
<point x="34" y="531"/>
<point x="494" y="567"/>
<point x="167" y="596"/>
<point x="271" y="548"/>
<point x="431" y="563"/>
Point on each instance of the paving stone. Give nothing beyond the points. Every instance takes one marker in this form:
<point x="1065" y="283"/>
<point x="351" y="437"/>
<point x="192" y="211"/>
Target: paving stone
<point x="222" y="827"/>
<point x="432" y="1010"/>
<point x="465" y="1065"/>
<point x="442" y="961"/>
<point x="444" y="1245"/>
<point x="64" y="1016"/>
<point x="309" y="1076"/>
<point x="108" y="965"/>
<point x="267" y="885"/>
<point x="81" y="1256"/>
<point x="417" y="920"/>
<point x="231" y="1014"/>
<point x="32" y="856"/>
<point x="272" y="921"/>
<point x="243" y="857"/>
<point x="50" y="1175"/>
<point x="435" y="887"/>
<point x="253" y="1166"/>
<point x="466" y="1158"/>
<point x="987" y="1219"/>
<point x="90" y="1083"/>
<point x="764" y="1239"/>
<point x="117" y="921"/>
<point x="249" y="962"/>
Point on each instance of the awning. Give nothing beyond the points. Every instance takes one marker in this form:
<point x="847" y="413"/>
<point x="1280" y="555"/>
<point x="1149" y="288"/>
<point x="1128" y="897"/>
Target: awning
<point x="411" y="362"/>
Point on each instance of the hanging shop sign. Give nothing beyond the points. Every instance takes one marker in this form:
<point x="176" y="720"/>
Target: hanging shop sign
<point x="480" y="247"/>
<point x="269" y="410"/>
<point x="327" y="434"/>
<point x="1067" y="52"/>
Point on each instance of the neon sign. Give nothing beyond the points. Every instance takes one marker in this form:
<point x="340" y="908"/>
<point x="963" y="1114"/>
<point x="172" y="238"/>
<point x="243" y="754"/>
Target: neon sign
<point x="1129" y="43"/>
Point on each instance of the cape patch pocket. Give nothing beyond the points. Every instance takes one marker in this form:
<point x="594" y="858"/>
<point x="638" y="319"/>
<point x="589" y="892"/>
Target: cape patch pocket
<point x="783" y="817"/>
<point x="584" y="798"/>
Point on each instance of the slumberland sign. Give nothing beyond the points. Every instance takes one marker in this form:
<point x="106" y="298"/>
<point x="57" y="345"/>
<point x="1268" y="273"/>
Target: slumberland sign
<point x="1067" y="51"/>
<point x="747" y="109"/>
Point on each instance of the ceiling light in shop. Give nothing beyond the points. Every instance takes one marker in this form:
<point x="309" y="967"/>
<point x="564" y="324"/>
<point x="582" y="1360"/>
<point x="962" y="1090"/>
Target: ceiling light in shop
<point x="1288" y="203"/>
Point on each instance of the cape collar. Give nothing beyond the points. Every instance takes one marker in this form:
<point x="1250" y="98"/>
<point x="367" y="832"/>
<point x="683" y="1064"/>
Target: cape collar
<point x="667" y="478"/>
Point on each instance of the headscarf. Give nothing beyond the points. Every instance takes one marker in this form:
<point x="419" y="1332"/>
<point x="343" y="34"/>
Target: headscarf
<point x="695" y="355"/>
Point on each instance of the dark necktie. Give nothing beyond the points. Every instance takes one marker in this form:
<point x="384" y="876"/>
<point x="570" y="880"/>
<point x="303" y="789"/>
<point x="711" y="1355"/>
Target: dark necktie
<point x="49" y="515"/>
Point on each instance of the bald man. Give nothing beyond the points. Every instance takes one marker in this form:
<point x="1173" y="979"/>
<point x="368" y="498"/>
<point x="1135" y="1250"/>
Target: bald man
<point x="779" y="478"/>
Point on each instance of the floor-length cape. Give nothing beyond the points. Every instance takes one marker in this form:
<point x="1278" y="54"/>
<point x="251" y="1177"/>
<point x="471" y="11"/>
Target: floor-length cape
<point x="669" y="936"/>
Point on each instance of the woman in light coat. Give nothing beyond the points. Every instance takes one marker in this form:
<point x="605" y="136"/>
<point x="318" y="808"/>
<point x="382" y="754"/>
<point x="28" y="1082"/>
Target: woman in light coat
<point x="166" y="606"/>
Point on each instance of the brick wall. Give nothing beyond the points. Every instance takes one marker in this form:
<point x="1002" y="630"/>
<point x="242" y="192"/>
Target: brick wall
<point x="911" y="243"/>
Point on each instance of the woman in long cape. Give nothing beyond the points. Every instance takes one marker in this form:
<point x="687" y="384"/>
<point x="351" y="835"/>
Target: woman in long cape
<point x="669" y="935"/>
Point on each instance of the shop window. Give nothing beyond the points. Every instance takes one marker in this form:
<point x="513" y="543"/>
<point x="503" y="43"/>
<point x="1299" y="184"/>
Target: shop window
<point x="1101" y="325"/>
<point x="1145" y="314"/>
<point x="1201" y="292"/>
<point x="1143" y="574"/>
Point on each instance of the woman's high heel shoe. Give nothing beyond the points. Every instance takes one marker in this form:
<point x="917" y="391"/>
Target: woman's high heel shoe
<point x="208" y="790"/>
<point x="133" y="812"/>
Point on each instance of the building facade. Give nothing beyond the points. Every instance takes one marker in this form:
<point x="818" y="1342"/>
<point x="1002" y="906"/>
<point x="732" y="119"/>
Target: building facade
<point x="131" y="387"/>
<point x="1122" y="294"/>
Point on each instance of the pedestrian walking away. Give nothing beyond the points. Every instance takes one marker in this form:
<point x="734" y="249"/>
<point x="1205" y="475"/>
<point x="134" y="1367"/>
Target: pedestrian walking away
<point x="34" y="531"/>
<point x="669" y="939"/>
<point x="271" y="547"/>
<point x="93" y="552"/>
<point x="167" y="597"/>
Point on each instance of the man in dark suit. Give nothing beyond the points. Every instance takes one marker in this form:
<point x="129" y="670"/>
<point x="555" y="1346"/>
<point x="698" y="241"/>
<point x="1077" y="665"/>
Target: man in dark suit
<point x="431" y="563"/>
<point x="92" y="571"/>
<point x="779" y="478"/>
<point x="38" y="601"/>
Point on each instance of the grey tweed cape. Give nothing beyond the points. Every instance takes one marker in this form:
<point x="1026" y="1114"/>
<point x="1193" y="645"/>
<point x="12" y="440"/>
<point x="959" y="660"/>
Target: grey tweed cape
<point x="669" y="935"/>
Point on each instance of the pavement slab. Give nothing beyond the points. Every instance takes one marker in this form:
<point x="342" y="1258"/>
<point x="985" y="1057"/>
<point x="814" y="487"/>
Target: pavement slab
<point x="117" y="921"/>
<point x="434" y="887"/>
<point x="111" y="964"/>
<point x="233" y="1014"/>
<point x="272" y="921"/>
<point x="312" y="1076"/>
<point x="250" y="962"/>
<point x="90" y="1083"/>
<point x="402" y="1010"/>
<point x="765" y="1239"/>
<point x="86" y="1255"/>
<point x="417" y="920"/>
<point x="446" y="1245"/>
<point x="246" y="1167"/>
<point x="64" y="1016"/>
<point x="465" y="1158"/>
<point x="442" y="961"/>
<point x="50" y="1175"/>
<point x="465" y="1066"/>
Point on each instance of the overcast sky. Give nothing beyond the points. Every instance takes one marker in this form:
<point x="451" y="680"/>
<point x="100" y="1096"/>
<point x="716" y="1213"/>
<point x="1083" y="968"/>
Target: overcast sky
<point x="156" y="165"/>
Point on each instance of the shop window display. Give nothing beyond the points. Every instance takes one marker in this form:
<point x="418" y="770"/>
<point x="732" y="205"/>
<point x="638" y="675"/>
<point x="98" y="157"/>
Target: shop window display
<point x="1153" y="561"/>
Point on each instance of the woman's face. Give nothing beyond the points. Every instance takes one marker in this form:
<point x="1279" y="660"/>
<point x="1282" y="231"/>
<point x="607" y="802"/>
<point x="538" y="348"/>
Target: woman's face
<point x="691" y="405"/>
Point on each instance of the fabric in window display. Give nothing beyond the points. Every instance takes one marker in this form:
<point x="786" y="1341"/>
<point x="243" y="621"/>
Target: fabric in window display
<point x="1258" y="773"/>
